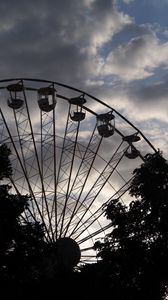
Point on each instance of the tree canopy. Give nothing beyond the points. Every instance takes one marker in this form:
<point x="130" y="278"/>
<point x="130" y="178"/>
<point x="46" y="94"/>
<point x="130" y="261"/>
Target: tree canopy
<point x="134" y="256"/>
<point x="26" y="262"/>
<point x="20" y="242"/>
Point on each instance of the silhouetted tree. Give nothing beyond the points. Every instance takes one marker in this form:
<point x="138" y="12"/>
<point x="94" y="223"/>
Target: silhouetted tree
<point x="26" y="270"/>
<point x="134" y="255"/>
<point x="21" y="244"/>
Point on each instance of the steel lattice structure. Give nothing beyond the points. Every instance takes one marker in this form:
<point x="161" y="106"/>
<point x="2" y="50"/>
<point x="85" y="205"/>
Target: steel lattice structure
<point x="72" y="153"/>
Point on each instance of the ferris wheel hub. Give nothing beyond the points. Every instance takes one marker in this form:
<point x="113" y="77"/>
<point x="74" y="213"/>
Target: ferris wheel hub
<point x="68" y="252"/>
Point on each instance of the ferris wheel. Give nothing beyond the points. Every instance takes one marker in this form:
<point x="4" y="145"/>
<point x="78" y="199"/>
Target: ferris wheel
<point x="72" y="153"/>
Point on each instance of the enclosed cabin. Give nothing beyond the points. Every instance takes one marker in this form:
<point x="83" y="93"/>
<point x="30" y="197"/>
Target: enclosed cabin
<point x="47" y="98"/>
<point x="78" y="114"/>
<point x="131" y="151"/>
<point x="106" y="124"/>
<point x="15" y="101"/>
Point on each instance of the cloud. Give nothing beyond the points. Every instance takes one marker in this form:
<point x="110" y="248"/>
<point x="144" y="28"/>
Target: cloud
<point x="137" y="59"/>
<point x="105" y="21"/>
<point x="74" y="42"/>
<point x="128" y="1"/>
<point x="56" y="39"/>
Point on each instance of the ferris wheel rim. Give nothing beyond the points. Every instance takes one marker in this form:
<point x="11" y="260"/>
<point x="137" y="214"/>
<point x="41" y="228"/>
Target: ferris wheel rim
<point x="23" y="80"/>
<point x="82" y="92"/>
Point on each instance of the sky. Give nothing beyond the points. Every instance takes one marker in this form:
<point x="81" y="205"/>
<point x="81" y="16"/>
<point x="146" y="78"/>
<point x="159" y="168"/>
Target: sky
<point x="116" y="50"/>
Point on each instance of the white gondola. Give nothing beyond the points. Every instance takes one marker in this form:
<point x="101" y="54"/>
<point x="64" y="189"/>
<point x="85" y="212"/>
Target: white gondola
<point x="78" y="115"/>
<point x="47" y="98"/>
<point x="106" y="124"/>
<point x="131" y="138"/>
<point x="15" y="101"/>
<point x="132" y="152"/>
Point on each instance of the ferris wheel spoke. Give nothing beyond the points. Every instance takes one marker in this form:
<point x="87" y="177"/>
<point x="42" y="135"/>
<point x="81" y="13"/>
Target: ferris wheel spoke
<point x="100" y="182"/>
<point x="77" y="218"/>
<point x="95" y="233"/>
<point x="27" y="210"/>
<point x="74" y="144"/>
<point x="84" y="170"/>
<point x="24" y="173"/>
<point x="29" y="156"/>
<point x="37" y="160"/>
<point x="96" y="215"/>
<point x="33" y="215"/>
<point x="48" y="160"/>
<point x="100" y="211"/>
<point x="60" y="205"/>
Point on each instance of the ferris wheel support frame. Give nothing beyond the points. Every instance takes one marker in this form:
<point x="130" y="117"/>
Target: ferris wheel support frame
<point x="66" y="187"/>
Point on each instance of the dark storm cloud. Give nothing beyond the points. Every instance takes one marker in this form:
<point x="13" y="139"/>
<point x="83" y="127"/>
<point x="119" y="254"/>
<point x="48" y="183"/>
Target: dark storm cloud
<point x="55" y="39"/>
<point x="38" y="38"/>
<point x="151" y="93"/>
